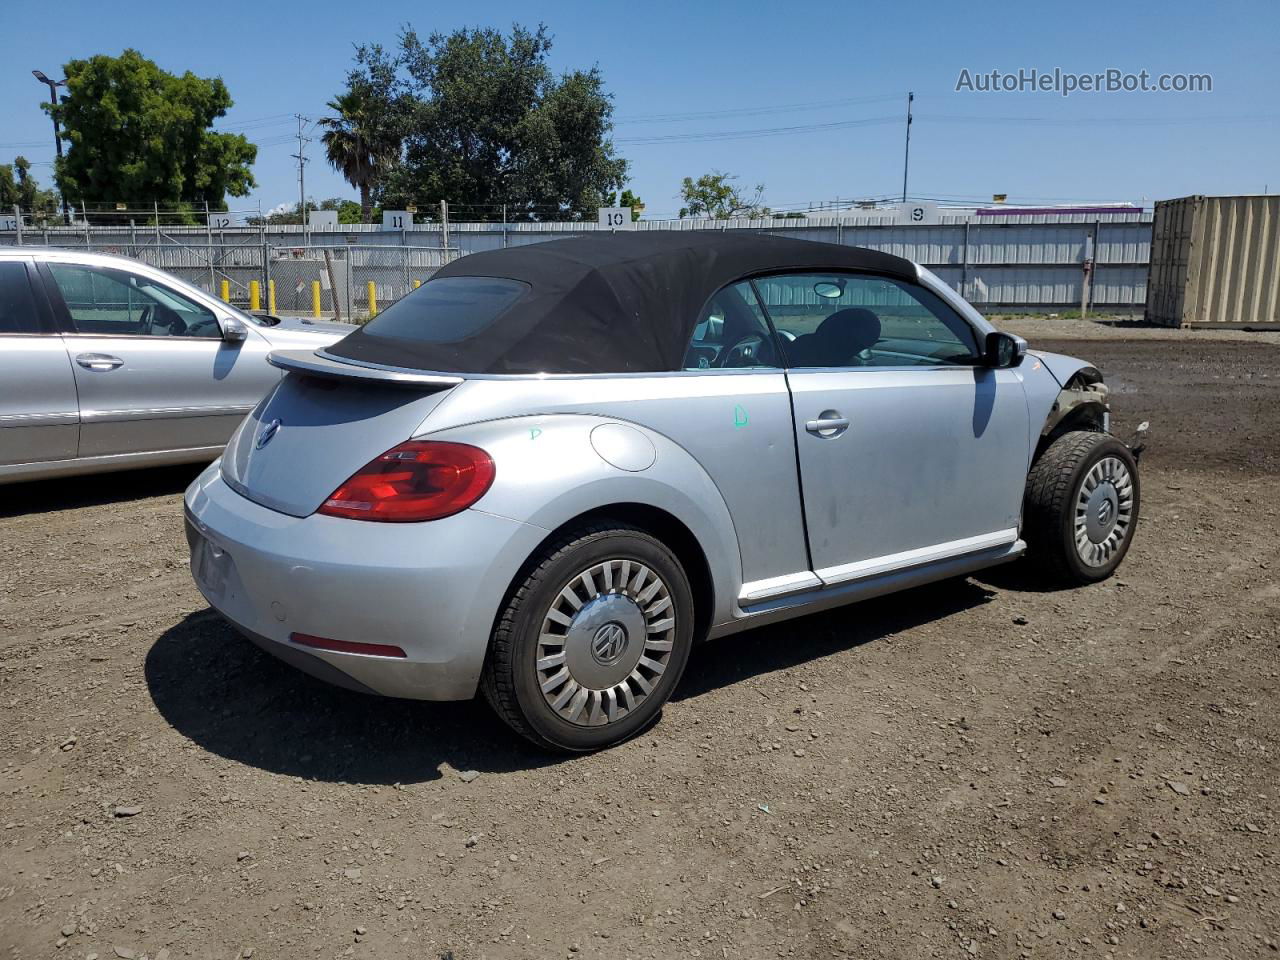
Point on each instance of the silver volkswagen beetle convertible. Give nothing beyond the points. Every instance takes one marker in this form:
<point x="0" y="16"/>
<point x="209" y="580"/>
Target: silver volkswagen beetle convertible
<point x="553" y="468"/>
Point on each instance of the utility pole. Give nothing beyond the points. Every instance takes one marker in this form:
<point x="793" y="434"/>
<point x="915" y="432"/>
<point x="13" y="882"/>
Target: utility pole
<point x="906" y="154"/>
<point x="302" y="162"/>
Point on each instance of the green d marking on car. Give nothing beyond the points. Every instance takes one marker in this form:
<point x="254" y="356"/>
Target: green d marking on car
<point x="535" y="432"/>
<point x="740" y="418"/>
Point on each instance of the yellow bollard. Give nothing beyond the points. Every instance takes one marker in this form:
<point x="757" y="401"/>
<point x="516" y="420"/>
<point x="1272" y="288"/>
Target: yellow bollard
<point x="226" y="291"/>
<point x="271" y="297"/>
<point x="417" y="284"/>
<point x="373" y="299"/>
<point x="255" y="295"/>
<point x="315" y="298"/>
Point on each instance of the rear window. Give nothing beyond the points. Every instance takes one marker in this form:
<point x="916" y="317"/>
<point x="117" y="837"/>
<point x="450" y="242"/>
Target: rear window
<point x="447" y="310"/>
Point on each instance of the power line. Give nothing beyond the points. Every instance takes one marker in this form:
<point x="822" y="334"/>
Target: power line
<point x="749" y="111"/>
<point x="755" y="133"/>
<point x="1103" y="121"/>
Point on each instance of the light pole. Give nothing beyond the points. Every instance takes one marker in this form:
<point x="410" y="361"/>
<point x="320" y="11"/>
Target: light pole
<point x="57" y="139"/>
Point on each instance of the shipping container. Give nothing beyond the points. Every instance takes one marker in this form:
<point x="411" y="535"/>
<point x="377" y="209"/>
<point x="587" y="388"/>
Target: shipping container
<point x="1215" y="261"/>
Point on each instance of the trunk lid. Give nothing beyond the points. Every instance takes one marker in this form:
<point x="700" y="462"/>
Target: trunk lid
<point x="318" y="428"/>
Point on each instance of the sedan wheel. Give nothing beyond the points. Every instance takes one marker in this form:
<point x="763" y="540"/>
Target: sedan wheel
<point x="592" y="641"/>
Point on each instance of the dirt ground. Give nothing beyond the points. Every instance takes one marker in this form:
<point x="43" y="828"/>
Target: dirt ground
<point x="978" y="768"/>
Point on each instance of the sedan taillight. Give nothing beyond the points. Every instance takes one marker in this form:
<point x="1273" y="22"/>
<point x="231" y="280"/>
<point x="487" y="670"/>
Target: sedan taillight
<point x="417" y="480"/>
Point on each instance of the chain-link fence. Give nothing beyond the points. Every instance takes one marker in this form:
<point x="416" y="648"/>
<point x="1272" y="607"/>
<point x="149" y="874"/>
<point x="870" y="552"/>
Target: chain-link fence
<point x="353" y="281"/>
<point x="350" y="281"/>
<point x="1033" y="259"/>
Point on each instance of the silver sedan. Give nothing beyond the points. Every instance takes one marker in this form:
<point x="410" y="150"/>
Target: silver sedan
<point x="551" y="469"/>
<point x="107" y="363"/>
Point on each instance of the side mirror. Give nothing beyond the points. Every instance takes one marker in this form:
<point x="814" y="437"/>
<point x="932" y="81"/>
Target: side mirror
<point x="234" y="330"/>
<point x="1003" y="351"/>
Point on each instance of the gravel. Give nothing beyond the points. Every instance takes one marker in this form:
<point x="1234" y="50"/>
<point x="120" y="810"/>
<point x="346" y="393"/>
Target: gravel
<point x="941" y="739"/>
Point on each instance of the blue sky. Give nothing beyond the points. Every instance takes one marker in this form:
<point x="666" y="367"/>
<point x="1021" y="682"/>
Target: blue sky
<point x="755" y="66"/>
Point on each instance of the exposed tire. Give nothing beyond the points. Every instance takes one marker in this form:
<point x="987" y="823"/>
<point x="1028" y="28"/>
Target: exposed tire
<point x="592" y="641"/>
<point x="1081" y="507"/>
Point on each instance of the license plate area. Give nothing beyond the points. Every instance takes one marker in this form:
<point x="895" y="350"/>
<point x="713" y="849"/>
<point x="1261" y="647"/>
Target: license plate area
<point x="211" y="566"/>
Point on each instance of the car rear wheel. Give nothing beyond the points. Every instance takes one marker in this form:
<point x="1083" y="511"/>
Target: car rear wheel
<point x="592" y="641"/>
<point x="1081" y="508"/>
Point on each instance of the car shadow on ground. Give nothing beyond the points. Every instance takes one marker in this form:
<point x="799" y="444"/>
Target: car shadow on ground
<point x="91" y="490"/>
<point x="226" y="695"/>
<point x="740" y="656"/>
<point x="215" y="687"/>
<point x="1021" y="578"/>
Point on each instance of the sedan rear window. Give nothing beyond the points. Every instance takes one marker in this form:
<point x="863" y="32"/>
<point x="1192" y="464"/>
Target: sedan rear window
<point x="447" y="310"/>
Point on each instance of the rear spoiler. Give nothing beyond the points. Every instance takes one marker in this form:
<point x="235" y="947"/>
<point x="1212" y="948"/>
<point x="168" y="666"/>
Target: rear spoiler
<point x="315" y="364"/>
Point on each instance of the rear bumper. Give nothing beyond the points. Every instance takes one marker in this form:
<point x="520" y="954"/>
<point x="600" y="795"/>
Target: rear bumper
<point x="432" y="589"/>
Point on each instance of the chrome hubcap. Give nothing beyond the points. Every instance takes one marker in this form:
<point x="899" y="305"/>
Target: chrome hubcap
<point x="605" y="642"/>
<point x="1104" y="511"/>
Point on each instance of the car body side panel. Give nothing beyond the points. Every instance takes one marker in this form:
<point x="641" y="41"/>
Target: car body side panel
<point x="1062" y="367"/>
<point x="1041" y="390"/>
<point x="931" y="456"/>
<point x="167" y="392"/>
<point x="39" y="417"/>
<point x="736" y="425"/>
<point x="550" y="470"/>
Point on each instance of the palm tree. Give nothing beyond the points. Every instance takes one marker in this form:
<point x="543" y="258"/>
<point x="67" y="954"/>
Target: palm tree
<point x="356" y="145"/>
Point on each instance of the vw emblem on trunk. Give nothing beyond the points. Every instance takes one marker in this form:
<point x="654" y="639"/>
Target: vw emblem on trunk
<point x="608" y="643"/>
<point x="267" y="434"/>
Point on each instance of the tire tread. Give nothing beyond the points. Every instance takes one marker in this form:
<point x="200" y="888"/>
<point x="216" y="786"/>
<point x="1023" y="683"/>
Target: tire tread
<point x="1050" y="492"/>
<point x="496" y="681"/>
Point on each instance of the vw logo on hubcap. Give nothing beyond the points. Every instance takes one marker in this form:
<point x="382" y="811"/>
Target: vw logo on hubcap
<point x="1104" y="511"/>
<point x="268" y="433"/>
<point x="608" y="644"/>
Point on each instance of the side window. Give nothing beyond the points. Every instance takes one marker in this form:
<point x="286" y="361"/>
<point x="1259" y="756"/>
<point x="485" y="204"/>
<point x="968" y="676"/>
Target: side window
<point x="852" y="320"/>
<point x="111" y="302"/>
<point x="17" y="305"/>
<point x="732" y="332"/>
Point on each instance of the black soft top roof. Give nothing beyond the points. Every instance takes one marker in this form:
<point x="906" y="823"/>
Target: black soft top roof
<point x="607" y="303"/>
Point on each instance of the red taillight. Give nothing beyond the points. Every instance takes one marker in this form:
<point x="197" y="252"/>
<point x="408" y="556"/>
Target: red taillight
<point x="418" y="480"/>
<point x="347" y="646"/>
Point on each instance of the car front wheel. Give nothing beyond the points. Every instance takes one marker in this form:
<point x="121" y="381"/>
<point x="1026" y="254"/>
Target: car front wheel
<point x="1081" y="507"/>
<point x="592" y="641"/>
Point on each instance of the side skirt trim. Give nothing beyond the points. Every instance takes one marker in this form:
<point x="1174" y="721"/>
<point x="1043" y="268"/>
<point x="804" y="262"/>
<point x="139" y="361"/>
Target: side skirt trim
<point x="814" y="601"/>
<point x="831" y="576"/>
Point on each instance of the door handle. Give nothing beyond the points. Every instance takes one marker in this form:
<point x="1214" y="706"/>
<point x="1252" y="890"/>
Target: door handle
<point x="99" y="361"/>
<point x="830" y="424"/>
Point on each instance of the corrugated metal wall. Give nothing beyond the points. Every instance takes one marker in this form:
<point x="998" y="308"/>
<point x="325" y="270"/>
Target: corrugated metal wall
<point x="1032" y="260"/>
<point x="1215" y="260"/>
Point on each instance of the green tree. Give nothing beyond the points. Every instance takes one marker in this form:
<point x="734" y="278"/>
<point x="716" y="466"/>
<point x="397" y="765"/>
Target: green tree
<point x="139" y="134"/>
<point x="361" y="140"/>
<point x="487" y="124"/>
<point x="19" y="188"/>
<point x="629" y="199"/>
<point x="626" y="199"/>
<point x="714" y="195"/>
